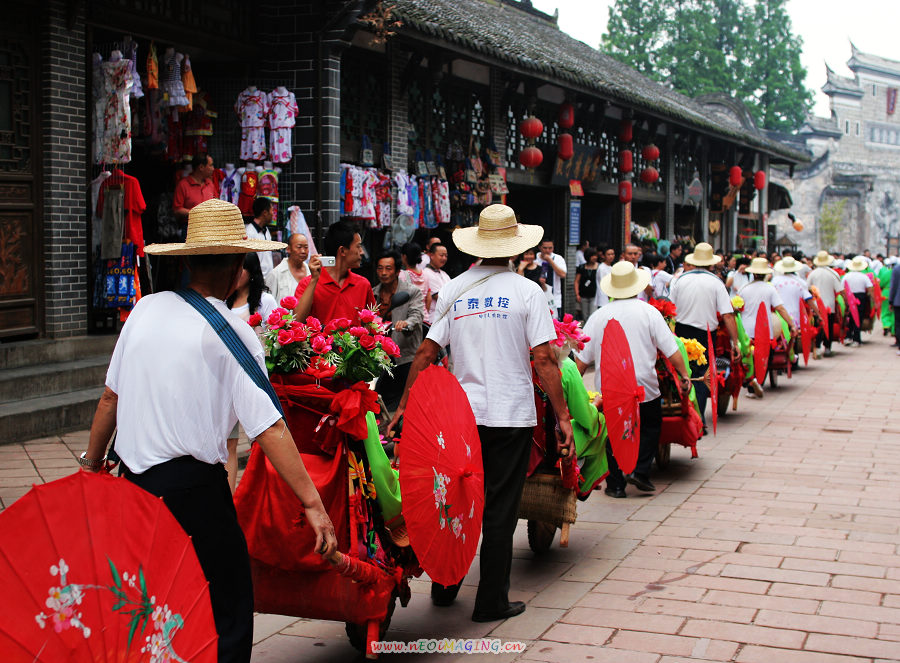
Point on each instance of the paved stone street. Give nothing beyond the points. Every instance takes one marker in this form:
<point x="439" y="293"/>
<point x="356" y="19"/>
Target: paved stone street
<point x="779" y="544"/>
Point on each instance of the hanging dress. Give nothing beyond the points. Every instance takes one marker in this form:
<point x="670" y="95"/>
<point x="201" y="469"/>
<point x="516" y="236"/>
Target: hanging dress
<point x="172" y="81"/>
<point x="188" y="83"/>
<point x="251" y="108"/>
<point x="115" y="145"/>
<point x="282" y="113"/>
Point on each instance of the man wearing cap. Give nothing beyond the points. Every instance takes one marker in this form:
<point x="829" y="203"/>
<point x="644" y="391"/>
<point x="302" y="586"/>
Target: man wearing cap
<point x="174" y="390"/>
<point x="647" y="333"/>
<point x="861" y="287"/>
<point x="700" y="297"/>
<point x="492" y="318"/>
<point x="828" y="284"/>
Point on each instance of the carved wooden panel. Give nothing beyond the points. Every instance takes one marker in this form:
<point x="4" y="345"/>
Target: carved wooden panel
<point x="15" y="253"/>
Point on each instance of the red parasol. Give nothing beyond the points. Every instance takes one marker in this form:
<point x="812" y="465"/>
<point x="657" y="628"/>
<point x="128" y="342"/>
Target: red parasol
<point x="441" y="476"/>
<point x="713" y="379"/>
<point x="823" y="313"/>
<point x="876" y="293"/>
<point x="852" y="303"/>
<point x="621" y="396"/>
<point x="97" y="569"/>
<point x="806" y="332"/>
<point x="761" y="344"/>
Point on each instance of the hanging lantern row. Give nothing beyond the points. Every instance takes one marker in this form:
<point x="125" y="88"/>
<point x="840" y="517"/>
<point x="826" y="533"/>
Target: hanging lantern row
<point x="759" y="180"/>
<point x="798" y="225"/>
<point x="566" y="119"/>
<point x="650" y="152"/>
<point x="566" y="147"/>
<point x="649" y="175"/>
<point x="565" y="142"/>
<point x="531" y="156"/>
<point x="626" y="161"/>
<point x="625" y="191"/>
<point x="626" y="131"/>
<point x="735" y="176"/>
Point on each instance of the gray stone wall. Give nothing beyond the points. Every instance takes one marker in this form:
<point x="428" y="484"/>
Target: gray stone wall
<point x="64" y="134"/>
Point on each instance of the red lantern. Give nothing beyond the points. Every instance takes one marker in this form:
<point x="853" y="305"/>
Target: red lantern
<point x="531" y="127"/>
<point x="626" y="161"/>
<point x="566" y="116"/>
<point x="798" y="225"/>
<point x="759" y="180"/>
<point x="735" y="176"/>
<point x="566" y="147"/>
<point x="626" y="131"/>
<point x="531" y="157"/>
<point x="650" y="152"/>
<point x="625" y="191"/>
<point x="649" y="175"/>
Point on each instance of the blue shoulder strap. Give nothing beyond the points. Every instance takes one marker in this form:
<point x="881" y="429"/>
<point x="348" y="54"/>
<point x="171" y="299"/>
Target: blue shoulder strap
<point x="232" y="342"/>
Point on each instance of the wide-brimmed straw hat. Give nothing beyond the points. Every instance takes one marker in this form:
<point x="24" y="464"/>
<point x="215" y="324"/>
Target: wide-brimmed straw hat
<point x="703" y="256"/>
<point x="497" y="234"/>
<point x="624" y="280"/>
<point x="858" y="264"/>
<point x="759" y="266"/>
<point x="214" y="227"/>
<point x="787" y="265"/>
<point x="823" y="259"/>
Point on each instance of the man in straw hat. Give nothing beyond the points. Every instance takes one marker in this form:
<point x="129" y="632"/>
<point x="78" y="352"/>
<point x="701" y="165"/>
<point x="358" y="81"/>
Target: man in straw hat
<point x="861" y="287"/>
<point x="760" y="292"/>
<point x="700" y="297"/>
<point x="828" y="284"/>
<point x="647" y="333"/>
<point x="175" y="390"/>
<point x="492" y="318"/>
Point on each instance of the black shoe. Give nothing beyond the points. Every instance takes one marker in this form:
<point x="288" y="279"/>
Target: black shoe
<point x="513" y="609"/>
<point x="618" y="493"/>
<point x="442" y="596"/>
<point x="640" y="482"/>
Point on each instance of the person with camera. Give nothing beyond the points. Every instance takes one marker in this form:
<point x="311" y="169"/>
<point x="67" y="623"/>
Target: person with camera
<point x="332" y="290"/>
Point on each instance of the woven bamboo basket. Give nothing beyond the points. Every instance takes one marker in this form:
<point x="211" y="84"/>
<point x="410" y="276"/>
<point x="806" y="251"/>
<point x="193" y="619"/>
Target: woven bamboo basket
<point x="545" y="500"/>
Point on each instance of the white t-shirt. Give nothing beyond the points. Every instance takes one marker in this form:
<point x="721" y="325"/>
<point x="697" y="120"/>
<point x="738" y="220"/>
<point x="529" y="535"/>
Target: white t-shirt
<point x="828" y="283"/>
<point x="180" y="389"/>
<point x="646" y="331"/>
<point x="791" y="288"/>
<point x="754" y="294"/>
<point x="579" y="258"/>
<point x="659" y="279"/>
<point x="265" y="257"/>
<point x="858" y="281"/>
<point x="557" y="279"/>
<point x="804" y="270"/>
<point x="739" y="280"/>
<point x="699" y="296"/>
<point x="642" y="295"/>
<point x="491" y="329"/>
<point x="267" y="304"/>
<point x="436" y="279"/>
<point x="601" y="298"/>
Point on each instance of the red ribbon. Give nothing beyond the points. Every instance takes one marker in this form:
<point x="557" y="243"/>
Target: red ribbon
<point x="351" y="406"/>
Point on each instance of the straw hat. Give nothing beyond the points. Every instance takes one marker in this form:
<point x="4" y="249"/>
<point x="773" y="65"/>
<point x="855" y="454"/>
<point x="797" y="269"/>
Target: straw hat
<point x="703" y="256"/>
<point x="497" y="235"/>
<point x="858" y="264"/>
<point x="787" y="265"/>
<point x="759" y="266"/>
<point x="624" y="280"/>
<point x="823" y="259"/>
<point x="214" y="227"/>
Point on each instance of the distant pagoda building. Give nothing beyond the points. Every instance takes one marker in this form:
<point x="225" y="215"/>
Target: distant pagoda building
<point x="855" y="157"/>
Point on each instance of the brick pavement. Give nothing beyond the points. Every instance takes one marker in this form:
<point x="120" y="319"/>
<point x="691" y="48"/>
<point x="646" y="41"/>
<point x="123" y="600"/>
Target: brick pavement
<point x="779" y="544"/>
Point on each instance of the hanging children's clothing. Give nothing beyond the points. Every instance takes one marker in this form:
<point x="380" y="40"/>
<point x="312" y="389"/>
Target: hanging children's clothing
<point x="98" y="106"/>
<point x="230" y="189"/>
<point x="249" y="182"/>
<point x="297" y="224"/>
<point x="116" y="137"/>
<point x="188" y="83"/>
<point x="282" y="113"/>
<point x="152" y="68"/>
<point x="198" y="126"/>
<point x="440" y="191"/>
<point x="120" y="204"/>
<point x="382" y="202"/>
<point x="172" y="84"/>
<point x="268" y="188"/>
<point x="131" y="53"/>
<point x="252" y="107"/>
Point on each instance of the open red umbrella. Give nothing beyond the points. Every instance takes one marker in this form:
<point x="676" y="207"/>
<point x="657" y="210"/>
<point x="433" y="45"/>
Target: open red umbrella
<point x="823" y="314"/>
<point x="713" y="379"/>
<point x="806" y="332"/>
<point x="621" y="396"/>
<point x="441" y="476"/>
<point x="876" y="293"/>
<point x="96" y="569"/>
<point x="762" y="344"/>
<point x="852" y="303"/>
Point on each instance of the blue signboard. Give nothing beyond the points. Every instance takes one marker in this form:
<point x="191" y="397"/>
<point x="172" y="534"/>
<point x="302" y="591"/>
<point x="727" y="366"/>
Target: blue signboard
<point x="574" y="222"/>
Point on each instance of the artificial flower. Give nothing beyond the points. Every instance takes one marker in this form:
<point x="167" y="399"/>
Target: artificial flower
<point x="737" y="303"/>
<point x="255" y="320"/>
<point x="285" y="337"/>
<point x="276" y="319"/>
<point x="321" y="344"/>
<point x="289" y="302"/>
<point x="696" y="352"/>
<point x="320" y="369"/>
<point x="390" y="347"/>
<point x="367" y="342"/>
<point x="314" y="324"/>
<point x="358" y="331"/>
<point x="366" y="316"/>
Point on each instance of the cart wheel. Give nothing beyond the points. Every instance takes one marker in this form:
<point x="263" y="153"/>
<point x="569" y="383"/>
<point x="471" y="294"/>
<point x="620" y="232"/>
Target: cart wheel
<point x="663" y="453"/>
<point x="722" y="408"/>
<point x="356" y="633"/>
<point x="773" y="378"/>
<point x="540" y="536"/>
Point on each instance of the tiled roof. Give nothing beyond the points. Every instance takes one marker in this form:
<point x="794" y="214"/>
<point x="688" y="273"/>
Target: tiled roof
<point x="513" y="33"/>
<point x="821" y="125"/>
<point x="858" y="59"/>
<point x="835" y="84"/>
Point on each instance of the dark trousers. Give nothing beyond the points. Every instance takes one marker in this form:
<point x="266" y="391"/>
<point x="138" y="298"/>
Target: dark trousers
<point x="821" y="338"/>
<point x="504" y="452"/>
<point x="198" y="496"/>
<point x="697" y="370"/>
<point x="897" y="323"/>
<point x="390" y="387"/>
<point x="651" y="427"/>
<point x="863" y="309"/>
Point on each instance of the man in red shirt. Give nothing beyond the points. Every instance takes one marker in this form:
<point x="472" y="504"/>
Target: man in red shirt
<point x="335" y="292"/>
<point x="194" y="189"/>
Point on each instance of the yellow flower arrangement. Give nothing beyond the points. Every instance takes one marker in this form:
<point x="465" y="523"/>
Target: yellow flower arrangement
<point x="737" y="302"/>
<point x="696" y="352"/>
<point x="592" y="395"/>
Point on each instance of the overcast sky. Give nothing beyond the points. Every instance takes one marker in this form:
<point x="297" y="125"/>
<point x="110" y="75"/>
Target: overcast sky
<point x="825" y="26"/>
